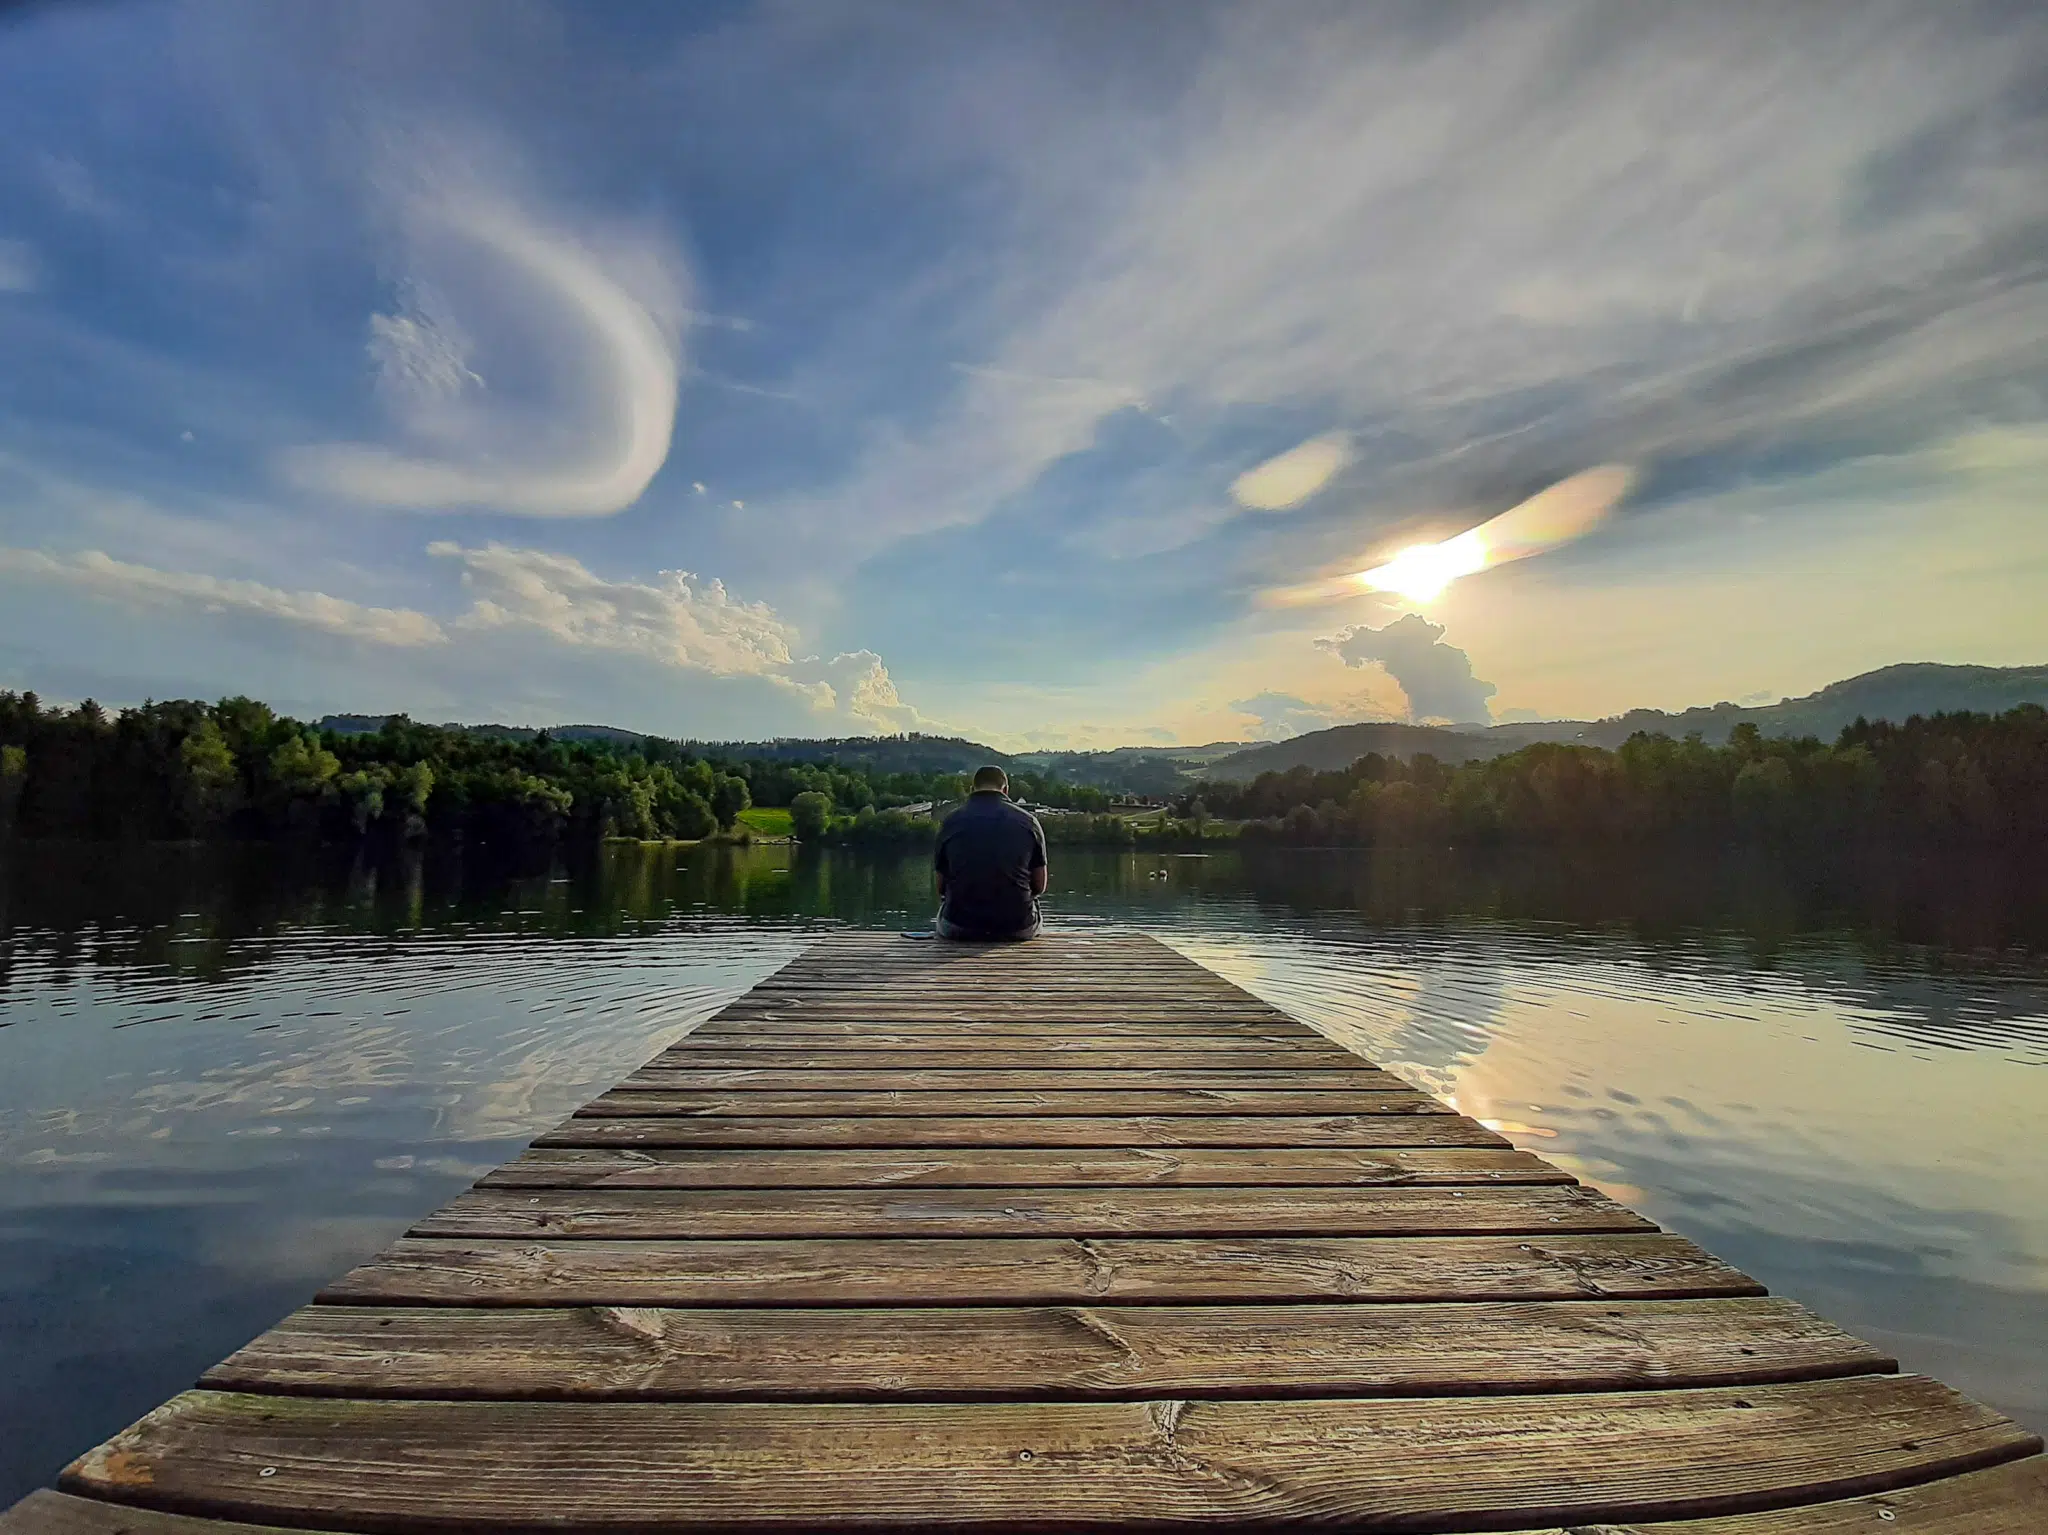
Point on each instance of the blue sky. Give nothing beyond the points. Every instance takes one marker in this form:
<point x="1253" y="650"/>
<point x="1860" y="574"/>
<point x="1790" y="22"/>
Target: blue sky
<point x="809" y="369"/>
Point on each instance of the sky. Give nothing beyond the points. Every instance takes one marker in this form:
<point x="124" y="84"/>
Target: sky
<point x="1059" y="375"/>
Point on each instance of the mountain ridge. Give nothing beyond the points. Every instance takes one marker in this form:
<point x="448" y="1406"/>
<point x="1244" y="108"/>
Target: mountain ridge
<point x="1895" y="692"/>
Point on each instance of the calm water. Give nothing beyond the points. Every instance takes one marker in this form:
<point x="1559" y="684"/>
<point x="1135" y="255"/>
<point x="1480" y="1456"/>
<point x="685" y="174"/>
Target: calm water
<point x="227" y="1075"/>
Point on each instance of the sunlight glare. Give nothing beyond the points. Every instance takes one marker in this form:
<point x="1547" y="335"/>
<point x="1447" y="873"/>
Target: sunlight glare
<point x="1422" y="571"/>
<point x="1564" y="512"/>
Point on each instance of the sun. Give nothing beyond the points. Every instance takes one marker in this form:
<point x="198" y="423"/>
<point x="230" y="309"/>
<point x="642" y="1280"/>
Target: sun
<point x="1422" y="571"/>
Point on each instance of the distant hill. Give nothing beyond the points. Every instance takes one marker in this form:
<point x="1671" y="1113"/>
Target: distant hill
<point x="370" y="724"/>
<point x="1326" y="751"/>
<point x="873" y="754"/>
<point x="1890" y="693"/>
<point x="1142" y="770"/>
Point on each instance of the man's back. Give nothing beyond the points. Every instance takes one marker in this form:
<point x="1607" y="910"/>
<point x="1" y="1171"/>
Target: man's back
<point x="987" y="852"/>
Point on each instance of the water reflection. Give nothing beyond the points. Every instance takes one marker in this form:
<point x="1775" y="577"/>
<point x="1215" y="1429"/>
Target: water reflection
<point x="226" y="1074"/>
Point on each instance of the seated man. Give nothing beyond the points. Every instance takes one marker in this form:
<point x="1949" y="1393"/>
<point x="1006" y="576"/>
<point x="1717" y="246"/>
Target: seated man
<point x="991" y="865"/>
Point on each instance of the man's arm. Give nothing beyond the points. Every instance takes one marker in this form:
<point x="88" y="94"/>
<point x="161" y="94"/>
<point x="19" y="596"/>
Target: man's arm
<point x="1038" y="863"/>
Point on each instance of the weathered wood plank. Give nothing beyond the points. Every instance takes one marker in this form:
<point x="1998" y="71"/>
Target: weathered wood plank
<point x="668" y="1077"/>
<point x="2010" y="1499"/>
<point x="1121" y="983"/>
<point x="710" y="1055"/>
<point x="1025" y="1130"/>
<point x="2007" y="1499"/>
<point x="1022" y="998"/>
<point x="1362" y="1464"/>
<point x="931" y="1034"/>
<point x="1047" y="1018"/>
<point x="1036" y="1271"/>
<point x="1295" y="1211"/>
<point x="1046" y="1102"/>
<point x="62" y="1513"/>
<point x="997" y="1353"/>
<point x="1016" y="1168"/>
<point x="855" y="1037"/>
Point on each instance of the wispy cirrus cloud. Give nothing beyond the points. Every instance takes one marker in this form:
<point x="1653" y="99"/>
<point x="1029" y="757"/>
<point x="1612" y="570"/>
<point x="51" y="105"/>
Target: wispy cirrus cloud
<point x="546" y="389"/>
<point x="1497" y="245"/>
<point x="101" y="575"/>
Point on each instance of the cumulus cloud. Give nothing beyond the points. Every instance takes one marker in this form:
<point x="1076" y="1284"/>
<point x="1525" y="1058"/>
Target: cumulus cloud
<point x="857" y="685"/>
<point x="1436" y="677"/>
<point x="563" y="408"/>
<point x="19" y="272"/>
<point x="1288" y="479"/>
<point x="143" y="585"/>
<point x="678" y="620"/>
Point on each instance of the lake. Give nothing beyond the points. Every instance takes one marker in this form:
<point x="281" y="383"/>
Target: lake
<point x="227" y="1074"/>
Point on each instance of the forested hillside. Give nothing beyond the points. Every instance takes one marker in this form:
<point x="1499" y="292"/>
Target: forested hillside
<point x="1947" y="777"/>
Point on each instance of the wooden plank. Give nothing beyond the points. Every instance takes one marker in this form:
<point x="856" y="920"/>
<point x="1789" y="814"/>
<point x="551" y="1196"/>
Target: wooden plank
<point x="2008" y="1499"/>
<point x="997" y="1353"/>
<point x="2005" y="1499"/>
<point x="1047" y="1018"/>
<point x="1045" y="1028"/>
<point x="1036" y="1271"/>
<point x="1025" y="1130"/>
<point x="924" y="1057"/>
<point x="855" y="1037"/>
<point x="61" y="1513"/>
<point x="666" y="1077"/>
<point x="1296" y="1211"/>
<point x="1362" y="1464"/>
<point x="1120" y="984"/>
<point x="1016" y="1168"/>
<point x="1046" y="1102"/>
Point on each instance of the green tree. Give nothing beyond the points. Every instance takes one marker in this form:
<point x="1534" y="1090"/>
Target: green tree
<point x="809" y="814"/>
<point x="363" y="793"/>
<point x="415" y="786"/>
<point x="209" y="784"/>
<point x="729" y="796"/>
<point x="1764" y="797"/>
<point x="13" y="779"/>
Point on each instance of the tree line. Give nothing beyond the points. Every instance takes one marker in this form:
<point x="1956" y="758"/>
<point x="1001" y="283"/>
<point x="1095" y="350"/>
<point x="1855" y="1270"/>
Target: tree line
<point x="239" y="770"/>
<point x="1949" y="777"/>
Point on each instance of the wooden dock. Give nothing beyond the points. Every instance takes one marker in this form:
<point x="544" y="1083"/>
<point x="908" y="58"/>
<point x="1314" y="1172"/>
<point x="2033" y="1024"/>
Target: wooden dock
<point x="1064" y="1236"/>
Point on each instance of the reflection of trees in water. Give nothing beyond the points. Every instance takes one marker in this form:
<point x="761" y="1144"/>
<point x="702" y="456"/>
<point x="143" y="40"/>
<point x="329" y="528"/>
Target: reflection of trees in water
<point x="1951" y="948"/>
<point x="1915" y="937"/>
<point x="1879" y="898"/>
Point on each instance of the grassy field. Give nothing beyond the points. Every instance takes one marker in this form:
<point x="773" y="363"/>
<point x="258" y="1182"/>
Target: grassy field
<point x="764" y="822"/>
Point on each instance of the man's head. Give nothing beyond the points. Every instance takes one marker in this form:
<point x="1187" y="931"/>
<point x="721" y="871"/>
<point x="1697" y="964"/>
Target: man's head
<point x="991" y="780"/>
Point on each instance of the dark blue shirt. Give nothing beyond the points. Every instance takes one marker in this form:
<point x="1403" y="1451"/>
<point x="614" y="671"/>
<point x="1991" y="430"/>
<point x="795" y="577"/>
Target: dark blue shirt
<point x="987" y="851"/>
